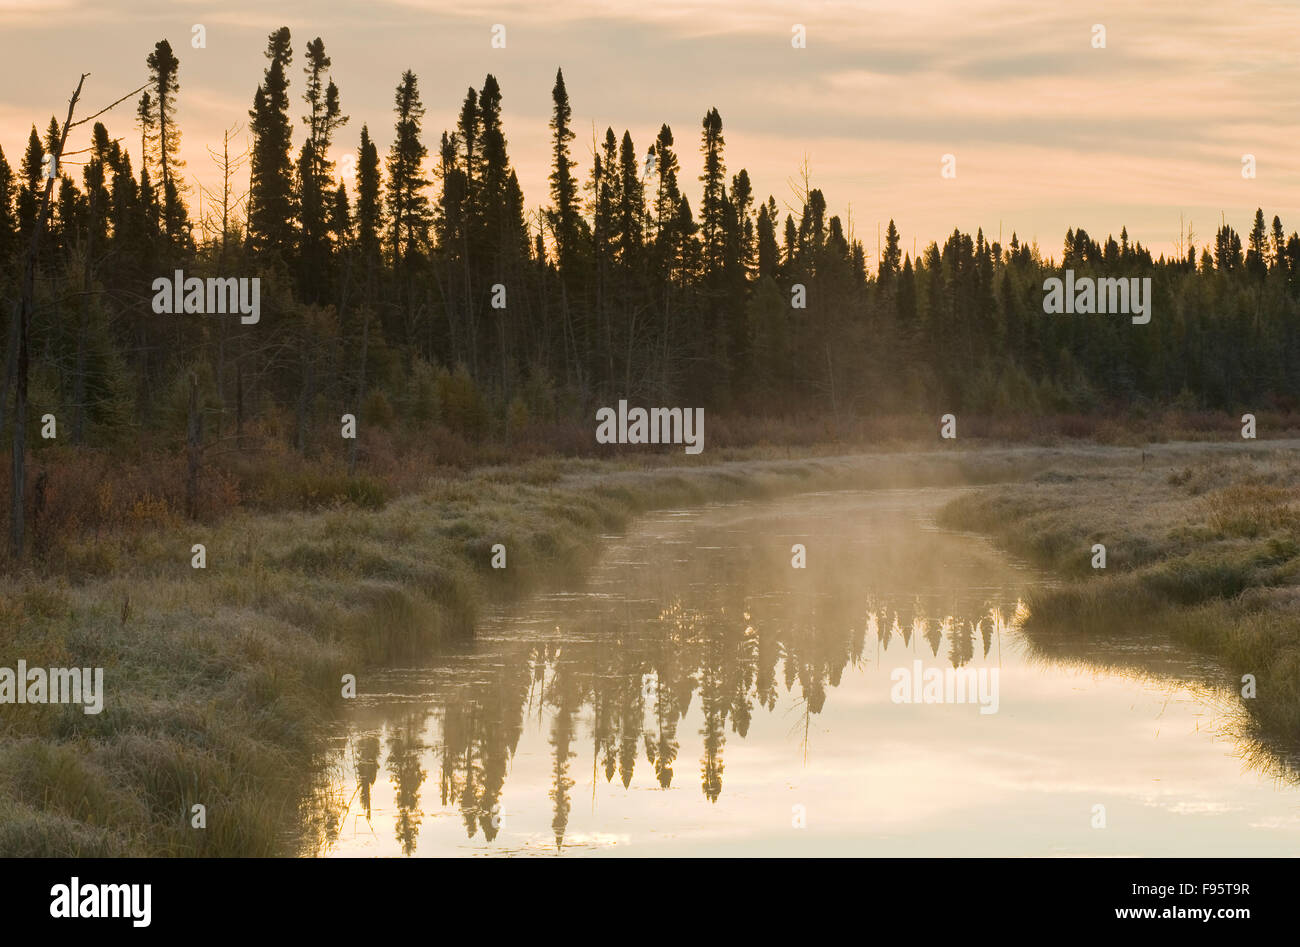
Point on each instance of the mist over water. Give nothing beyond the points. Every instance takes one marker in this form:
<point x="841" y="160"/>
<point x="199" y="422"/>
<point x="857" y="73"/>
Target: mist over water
<point x="695" y="694"/>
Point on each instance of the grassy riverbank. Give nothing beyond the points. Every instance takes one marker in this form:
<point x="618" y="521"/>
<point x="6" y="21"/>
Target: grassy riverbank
<point x="1201" y="543"/>
<point x="216" y="679"/>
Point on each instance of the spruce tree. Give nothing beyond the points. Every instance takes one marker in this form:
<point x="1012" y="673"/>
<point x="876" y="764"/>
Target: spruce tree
<point x="370" y="223"/>
<point x="1257" y="251"/>
<point x="29" y="190"/>
<point x="631" y="204"/>
<point x="905" y="300"/>
<point x="767" y="250"/>
<point x="467" y="129"/>
<point x="8" y="220"/>
<point x="741" y="249"/>
<point x="165" y="86"/>
<point x="712" y="232"/>
<point x="150" y="208"/>
<point x="270" y="223"/>
<point x="408" y="206"/>
<point x="564" y="187"/>
<point x="494" y="170"/>
<point x="667" y="190"/>
<point x="316" y="202"/>
<point x="889" y="258"/>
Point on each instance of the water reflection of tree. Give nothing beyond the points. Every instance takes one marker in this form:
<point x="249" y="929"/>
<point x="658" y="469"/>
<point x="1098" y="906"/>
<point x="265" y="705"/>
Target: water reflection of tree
<point x="636" y="680"/>
<point x="961" y="641"/>
<point x="367" y="768"/>
<point x="932" y="632"/>
<point x="631" y="711"/>
<point x="568" y="699"/>
<point x="403" y="763"/>
<point x="716" y="702"/>
<point x="669" y="692"/>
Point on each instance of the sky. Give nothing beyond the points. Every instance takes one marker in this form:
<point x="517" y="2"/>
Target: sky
<point x="1047" y="130"/>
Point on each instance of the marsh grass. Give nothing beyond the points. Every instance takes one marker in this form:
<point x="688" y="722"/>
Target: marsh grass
<point x="1206" y="553"/>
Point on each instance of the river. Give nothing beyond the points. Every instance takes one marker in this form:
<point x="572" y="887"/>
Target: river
<point x="697" y="694"/>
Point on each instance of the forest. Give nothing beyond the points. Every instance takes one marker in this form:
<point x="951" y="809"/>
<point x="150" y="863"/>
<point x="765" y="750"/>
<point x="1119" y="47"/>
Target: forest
<point x="420" y="292"/>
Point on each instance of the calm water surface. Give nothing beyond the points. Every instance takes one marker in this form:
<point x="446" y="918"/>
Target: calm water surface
<point x="695" y="694"/>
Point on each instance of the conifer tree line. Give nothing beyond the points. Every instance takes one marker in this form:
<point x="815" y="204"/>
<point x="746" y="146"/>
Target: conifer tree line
<point x="415" y="286"/>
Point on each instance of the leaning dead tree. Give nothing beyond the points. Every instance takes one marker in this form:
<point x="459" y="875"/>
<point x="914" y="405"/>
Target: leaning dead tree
<point x="21" y="332"/>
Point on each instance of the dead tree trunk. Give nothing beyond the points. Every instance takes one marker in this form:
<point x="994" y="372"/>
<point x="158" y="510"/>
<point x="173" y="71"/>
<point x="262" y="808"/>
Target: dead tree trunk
<point x="228" y="165"/>
<point x="361" y="391"/>
<point x="239" y="405"/>
<point x="83" y="327"/>
<point x="18" y="483"/>
<point x="365" y="355"/>
<point x="11" y="358"/>
<point x="194" y="446"/>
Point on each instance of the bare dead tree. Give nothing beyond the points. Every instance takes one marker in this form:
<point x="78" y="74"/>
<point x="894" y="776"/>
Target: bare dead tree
<point x="194" y="449"/>
<point x="218" y="225"/>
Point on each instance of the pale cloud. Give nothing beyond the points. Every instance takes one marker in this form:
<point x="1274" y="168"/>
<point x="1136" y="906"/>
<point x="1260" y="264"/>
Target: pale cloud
<point x="17" y="12"/>
<point x="1049" y="133"/>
